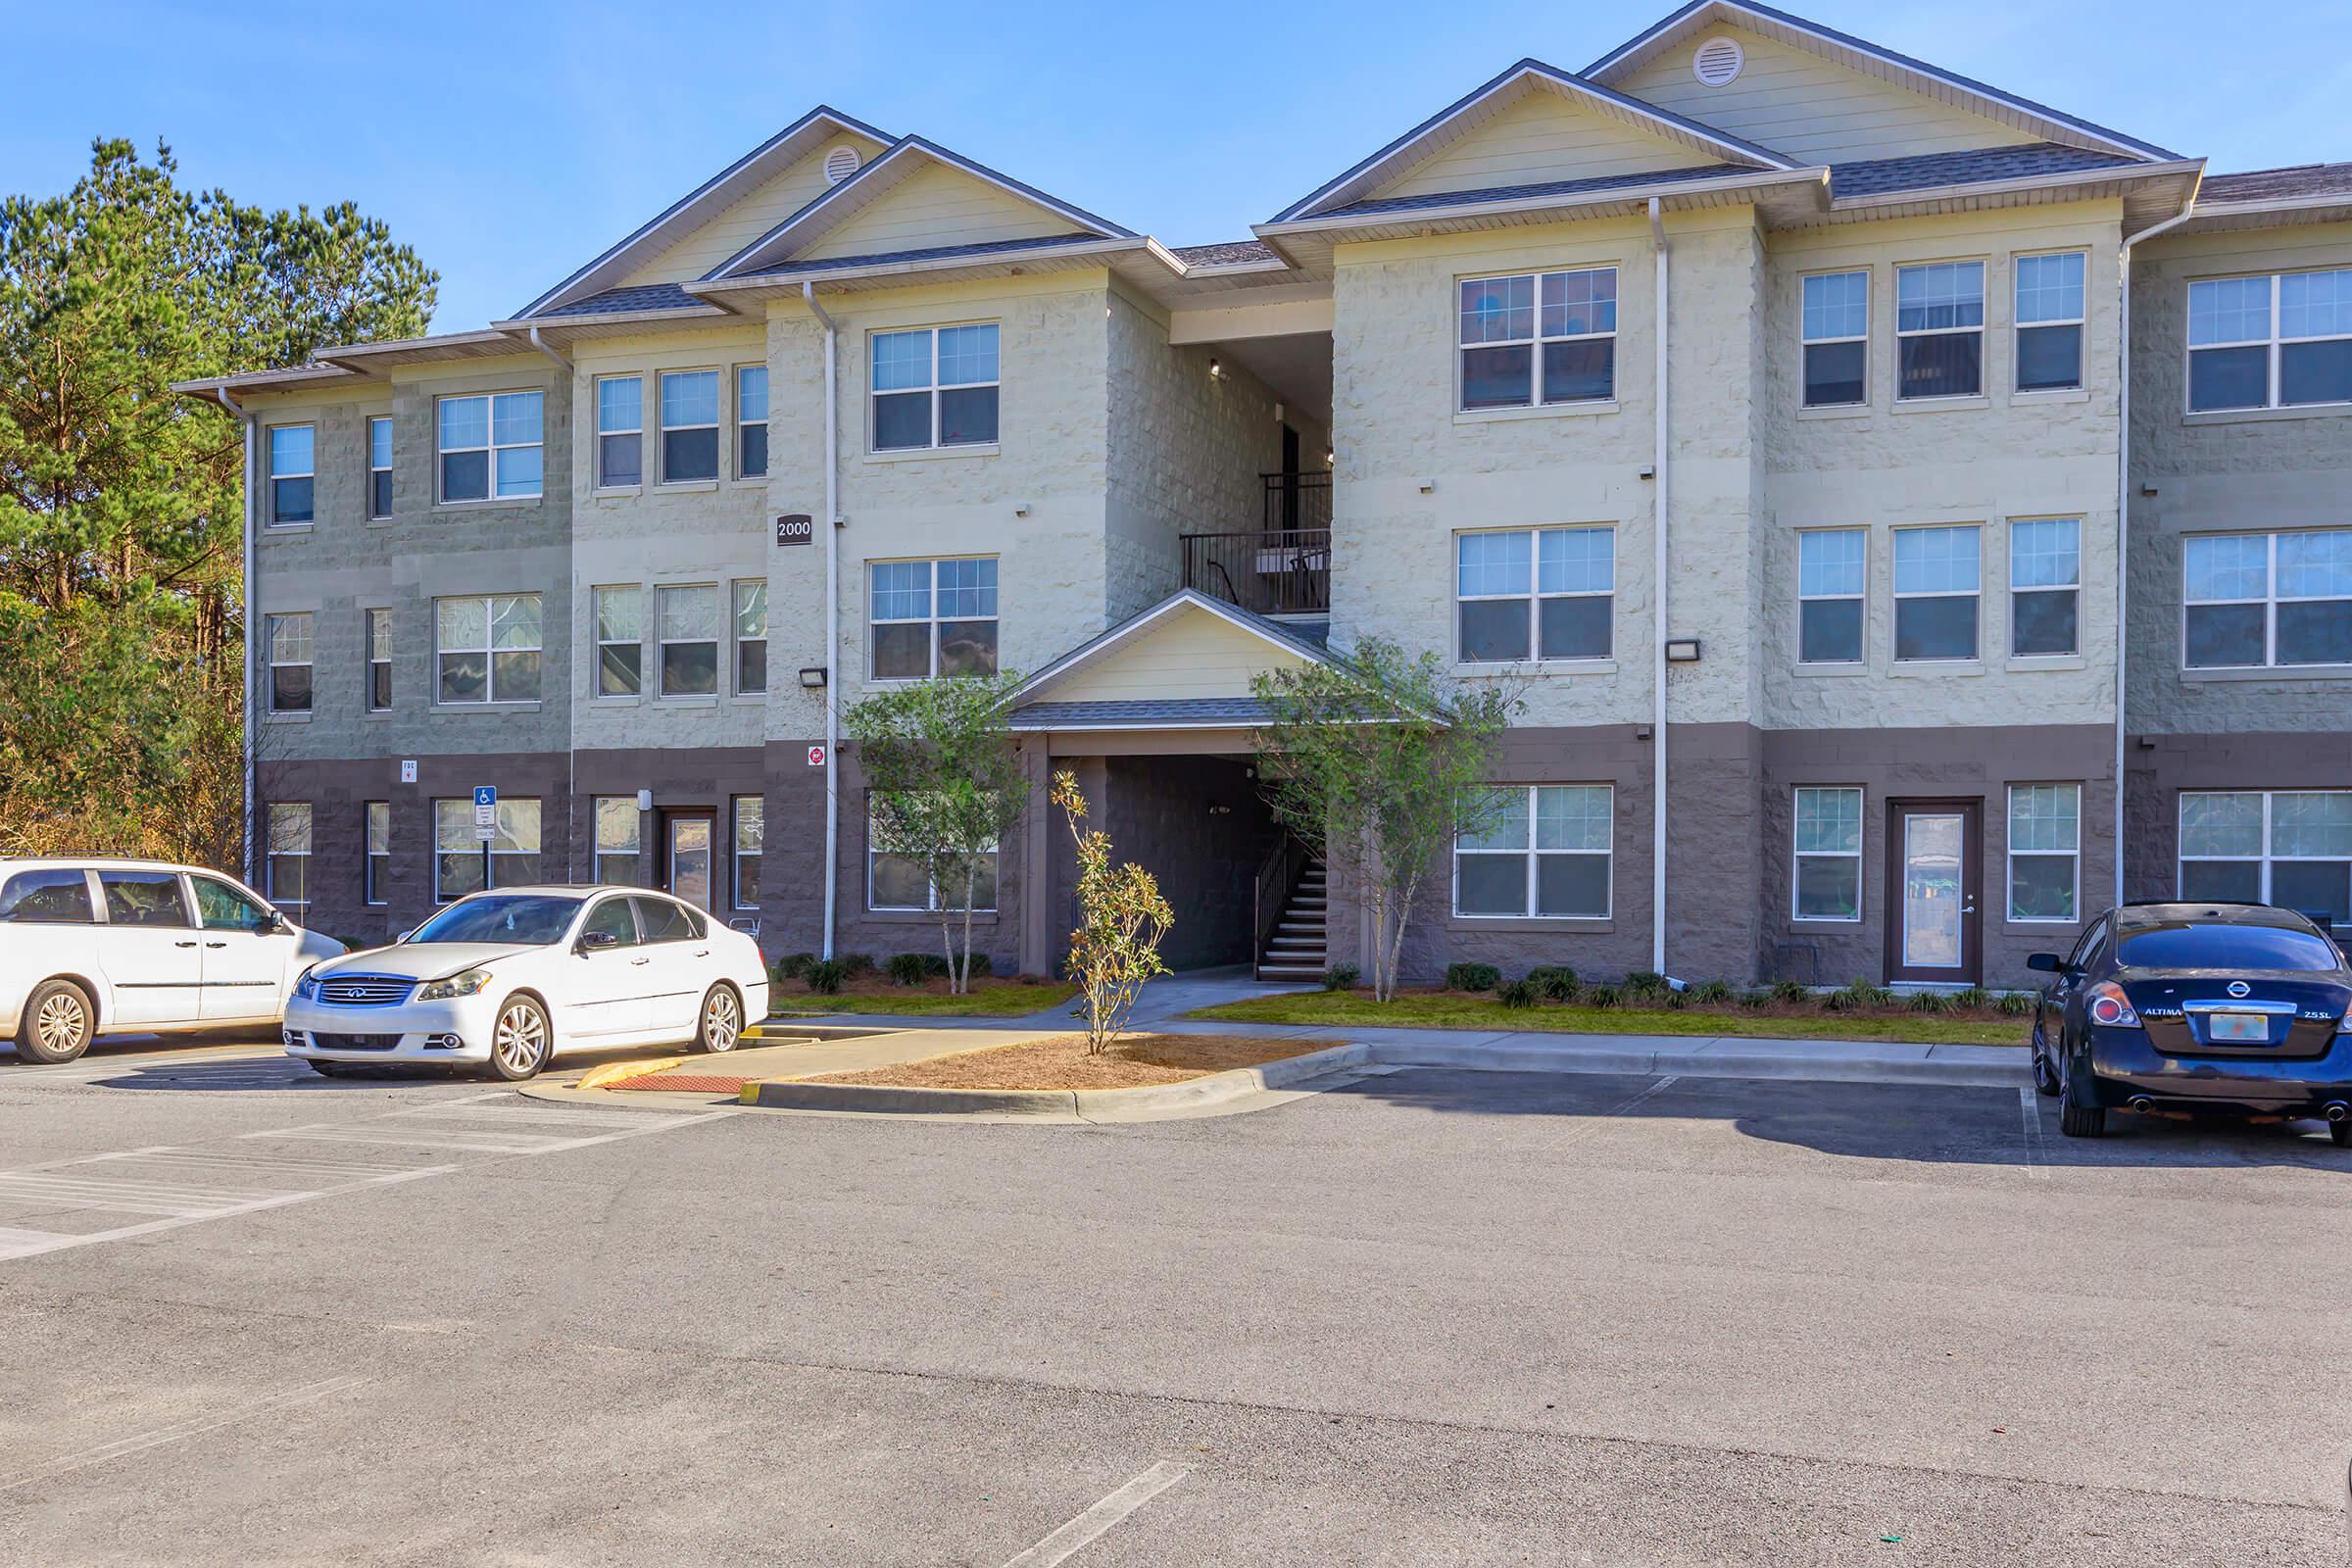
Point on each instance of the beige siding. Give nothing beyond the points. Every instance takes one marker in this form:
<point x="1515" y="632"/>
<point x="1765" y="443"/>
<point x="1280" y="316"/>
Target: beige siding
<point x="745" y="220"/>
<point x="940" y="206"/>
<point x="1190" y="654"/>
<point x="1544" y="136"/>
<point x="1809" y="108"/>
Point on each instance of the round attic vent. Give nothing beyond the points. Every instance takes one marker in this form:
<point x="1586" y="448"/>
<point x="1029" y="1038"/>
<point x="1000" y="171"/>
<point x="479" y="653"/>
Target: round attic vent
<point x="1717" y="62"/>
<point x="842" y="161"/>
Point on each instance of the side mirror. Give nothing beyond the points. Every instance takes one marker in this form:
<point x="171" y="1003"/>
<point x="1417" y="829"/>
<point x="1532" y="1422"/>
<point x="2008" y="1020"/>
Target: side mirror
<point x="2046" y="963"/>
<point x="278" y="923"/>
<point x="591" y="941"/>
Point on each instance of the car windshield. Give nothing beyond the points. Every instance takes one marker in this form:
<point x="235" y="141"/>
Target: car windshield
<point x="528" y="920"/>
<point x="2226" y="946"/>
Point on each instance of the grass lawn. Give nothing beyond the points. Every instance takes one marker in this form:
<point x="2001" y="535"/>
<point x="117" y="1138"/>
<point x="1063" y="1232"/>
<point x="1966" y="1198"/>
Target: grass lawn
<point x="1061" y="1062"/>
<point x="1008" y="998"/>
<point x="1456" y="1009"/>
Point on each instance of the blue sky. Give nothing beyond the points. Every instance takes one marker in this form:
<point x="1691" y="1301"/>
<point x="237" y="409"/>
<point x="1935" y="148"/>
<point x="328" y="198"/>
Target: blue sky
<point x="509" y="142"/>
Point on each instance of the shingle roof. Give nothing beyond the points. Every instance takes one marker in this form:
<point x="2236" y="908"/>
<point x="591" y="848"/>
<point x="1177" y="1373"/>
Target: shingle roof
<point x="1142" y="712"/>
<point x="1877" y="176"/>
<point x="1225" y="253"/>
<point x="1556" y="187"/>
<point x="2300" y="182"/>
<point x="616" y="301"/>
<point x="936" y="253"/>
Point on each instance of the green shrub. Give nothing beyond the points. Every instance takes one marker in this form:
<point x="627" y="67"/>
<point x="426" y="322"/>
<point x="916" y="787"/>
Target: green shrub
<point x="1759" y="997"/>
<point x="1472" y="977"/>
<point x="2015" y="1004"/>
<point x="856" y="963"/>
<point x="1972" y="998"/>
<point x="1555" y="982"/>
<point x="1602" y="996"/>
<point x="1646" y="984"/>
<point x="1341" y="977"/>
<point x="1790" y="991"/>
<point x="1858" y="993"/>
<point x="909" y="968"/>
<point x="1710" y="993"/>
<point x="981" y="964"/>
<point x="1517" y="994"/>
<point x="794" y="965"/>
<point x="826" y="975"/>
<point x="1934" y="1001"/>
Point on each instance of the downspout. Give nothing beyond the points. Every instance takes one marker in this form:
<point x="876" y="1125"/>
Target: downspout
<point x="1657" y="642"/>
<point x="540" y="344"/>
<point x="252" y="631"/>
<point x="2123" y="512"/>
<point x="832" y="527"/>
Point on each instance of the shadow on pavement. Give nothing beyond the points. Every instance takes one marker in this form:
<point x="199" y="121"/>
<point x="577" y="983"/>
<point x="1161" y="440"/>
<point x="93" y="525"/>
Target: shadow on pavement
<point x="1932" y="1123"/>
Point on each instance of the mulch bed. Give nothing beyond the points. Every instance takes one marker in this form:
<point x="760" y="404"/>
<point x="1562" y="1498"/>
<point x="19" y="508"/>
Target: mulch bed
<point x="1061" y="1062"/>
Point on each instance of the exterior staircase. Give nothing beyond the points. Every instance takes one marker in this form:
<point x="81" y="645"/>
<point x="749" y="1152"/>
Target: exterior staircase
<point x="1297" y="949"/>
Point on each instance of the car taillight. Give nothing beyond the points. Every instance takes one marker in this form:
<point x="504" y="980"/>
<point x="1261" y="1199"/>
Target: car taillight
<point x="2110" y="1007"/>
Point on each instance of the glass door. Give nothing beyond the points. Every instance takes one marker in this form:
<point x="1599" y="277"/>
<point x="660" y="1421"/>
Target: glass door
<point x="689" y="858"/>
<point x="1935" y="876"/>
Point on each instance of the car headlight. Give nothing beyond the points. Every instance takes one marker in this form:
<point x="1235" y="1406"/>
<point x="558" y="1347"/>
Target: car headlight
<point x="308" y="985"/>
<point x="457" y="985"/>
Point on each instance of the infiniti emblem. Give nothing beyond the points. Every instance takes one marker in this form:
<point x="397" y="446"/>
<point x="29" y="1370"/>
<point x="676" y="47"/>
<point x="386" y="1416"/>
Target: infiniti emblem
<point x="2239" y="988"/>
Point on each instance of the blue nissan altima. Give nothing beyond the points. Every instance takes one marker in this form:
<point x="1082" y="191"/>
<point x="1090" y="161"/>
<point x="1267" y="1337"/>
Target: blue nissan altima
<point x="2230" y="1008"/>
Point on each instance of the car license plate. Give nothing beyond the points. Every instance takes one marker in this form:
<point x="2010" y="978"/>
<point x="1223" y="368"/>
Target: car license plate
<point x="2253" y="1027"/>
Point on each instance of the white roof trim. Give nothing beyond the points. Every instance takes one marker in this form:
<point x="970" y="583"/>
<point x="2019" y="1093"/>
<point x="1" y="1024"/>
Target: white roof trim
<point x="1616" y="194"/>
<point x="1918" y="74"/>
<point x="1088" y="652"/>
<point x="717" y="289"/>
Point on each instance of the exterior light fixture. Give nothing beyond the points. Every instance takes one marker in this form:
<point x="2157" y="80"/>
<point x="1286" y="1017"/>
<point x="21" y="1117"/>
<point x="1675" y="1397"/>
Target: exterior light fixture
<point x="1681" y="650"/>
<point x="1215" y="369"/>
<point x="814" y="677"/>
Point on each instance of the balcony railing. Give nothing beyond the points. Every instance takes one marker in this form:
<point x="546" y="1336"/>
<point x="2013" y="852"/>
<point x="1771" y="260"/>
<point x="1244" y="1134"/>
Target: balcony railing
<point x="1298" y="500"/>
<point x="1274" y="571"/>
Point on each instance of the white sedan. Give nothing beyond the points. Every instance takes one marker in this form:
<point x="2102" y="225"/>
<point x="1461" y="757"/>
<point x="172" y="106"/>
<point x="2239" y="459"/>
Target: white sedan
<point x="506" y="979"/>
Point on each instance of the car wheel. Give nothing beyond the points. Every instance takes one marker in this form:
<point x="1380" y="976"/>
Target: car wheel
<point x="520" y="1041"/>
<point x="326" y="1069"/>
<point x="2045" y="1076"/>
<point x="2341" y="1133"/>
<point x="722" y="1020"/>
<point x="2076" y="1120"/>
<point x="59" y="1022"/>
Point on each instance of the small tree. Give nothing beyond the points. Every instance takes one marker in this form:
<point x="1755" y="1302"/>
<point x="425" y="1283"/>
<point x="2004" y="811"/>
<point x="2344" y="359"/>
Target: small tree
<point x="1122" y="919"/>
<point x="1379" y="763"/>
<point x="943" y="788"/>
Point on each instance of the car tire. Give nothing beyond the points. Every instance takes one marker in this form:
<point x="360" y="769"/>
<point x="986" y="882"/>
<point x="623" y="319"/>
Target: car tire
<point x="59" y="1022"/>
<point x="721" y="1025"/>
<point x="2340" y="1132"/>
<point x="2045" y="1076"/>
<point x="326" y="1069"/>
<point x="520" y="1041"/>
<point x="2078" y="1120"/>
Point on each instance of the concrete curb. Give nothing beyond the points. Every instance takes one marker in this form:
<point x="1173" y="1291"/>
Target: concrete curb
<point x="1716" y="1062"/>
<point x="613" y="1073"/>
<point x="1192" y="1095"/>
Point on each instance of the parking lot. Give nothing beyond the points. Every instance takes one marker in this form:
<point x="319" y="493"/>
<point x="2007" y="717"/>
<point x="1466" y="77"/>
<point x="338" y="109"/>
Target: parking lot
<point x="1427" y="1316"/>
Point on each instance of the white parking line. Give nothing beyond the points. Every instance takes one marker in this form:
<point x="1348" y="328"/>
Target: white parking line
<point x="2036" y="1162"/>
<point x="180" y="1431"/>
<point x="1064" y="1543"/>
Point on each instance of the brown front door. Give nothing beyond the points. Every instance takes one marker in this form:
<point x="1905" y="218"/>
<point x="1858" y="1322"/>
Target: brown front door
<point x="1934" y="891"/>
<point x="690" y="854"/>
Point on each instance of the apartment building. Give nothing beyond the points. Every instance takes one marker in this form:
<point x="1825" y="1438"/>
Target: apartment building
<point x="1910" y="512"/>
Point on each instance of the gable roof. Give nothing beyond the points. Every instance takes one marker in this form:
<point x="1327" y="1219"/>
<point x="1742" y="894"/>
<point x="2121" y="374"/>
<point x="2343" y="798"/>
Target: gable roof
<point x="906" y="155"/>
<point x="1459" y="116"/>
<point x="1273" y="633"/>
<point x="730" y="185"/>
<point x="1935" y="81"/>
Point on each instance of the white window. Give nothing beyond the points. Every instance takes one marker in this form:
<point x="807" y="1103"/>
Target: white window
<point x="1539" y="338"/>
<point x="489" y="446"/>
<point x="290" y="661"/>
<point x="901" y="882"/>
<point x="2045" y="586"/>
<point x="380" y="660"/>
<point x="1940" y="329"/>
<point x="464" y="863"/>
<point x="751" y="832"/>
<point x="377" y="873"/>
<point x="2046" y="850"/>
<point x="620" y="640"/>
<point x="751" y="420"/>
<point x="619" y="432"/>
<point x="1544" y="593"/>
<point x="289" y="864"/>
<point x="1832" y="575"/>
<point x="1545" y="854"/>
<point x="1836" y="339"/>
<point x="688" y="629"/>
<point x="2282" y="341"/>
<point x="2289" y="847"/>
<point x="379" y="468"/>
<point x="1938" y="580"/>
<point x="935" y="387"/>
<point x="617" y="857"/>
<point x="689" y="425"/>
<point x="932" y="617"/>
<point x="751" y="637"/>
<point x="291" y="472"/>
<point x="1826" y="842"/>
<point x="2251" y="599"/>
<point x="487" y="650"/>
<point x="2049" y="321"/>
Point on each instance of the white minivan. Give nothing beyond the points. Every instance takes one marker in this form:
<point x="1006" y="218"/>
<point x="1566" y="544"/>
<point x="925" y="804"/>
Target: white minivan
<point x="91" y="946"/>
